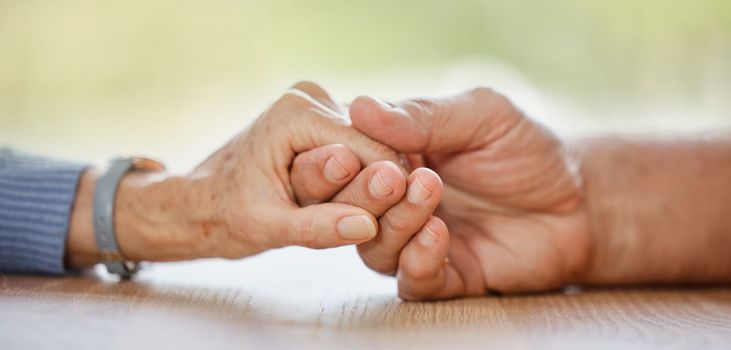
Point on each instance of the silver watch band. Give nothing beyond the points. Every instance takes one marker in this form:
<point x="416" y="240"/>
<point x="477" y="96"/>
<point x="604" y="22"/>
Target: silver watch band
<point x="104" y="198"/>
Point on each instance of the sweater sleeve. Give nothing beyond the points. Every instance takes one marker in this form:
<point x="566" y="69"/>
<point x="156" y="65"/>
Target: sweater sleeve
<point x="36" y="198"/>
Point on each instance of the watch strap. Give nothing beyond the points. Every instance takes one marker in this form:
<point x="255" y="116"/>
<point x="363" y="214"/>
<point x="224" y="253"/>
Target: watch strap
<point x="103" y="208"/>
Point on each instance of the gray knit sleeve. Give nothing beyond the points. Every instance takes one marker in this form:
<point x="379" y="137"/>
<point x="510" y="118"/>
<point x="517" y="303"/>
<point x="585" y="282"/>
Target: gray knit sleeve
<point x="36" y="197"/>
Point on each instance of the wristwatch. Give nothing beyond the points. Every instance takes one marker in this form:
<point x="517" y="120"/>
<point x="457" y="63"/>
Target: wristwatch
<point x="103" y="207"/>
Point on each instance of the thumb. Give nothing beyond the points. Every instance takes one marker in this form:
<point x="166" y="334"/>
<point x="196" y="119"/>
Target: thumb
<point x="456" y="123"/>
<point x="327" y="225"/>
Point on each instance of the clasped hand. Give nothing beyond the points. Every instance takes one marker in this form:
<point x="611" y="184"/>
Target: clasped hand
<point x="455" y="196"/>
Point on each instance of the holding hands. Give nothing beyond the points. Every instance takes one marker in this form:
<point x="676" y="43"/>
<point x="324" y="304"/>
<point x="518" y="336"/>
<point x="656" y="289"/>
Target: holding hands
<point x="511" y="218"/>
<point x="298" y="175"/>
<point x="454" y="196"/>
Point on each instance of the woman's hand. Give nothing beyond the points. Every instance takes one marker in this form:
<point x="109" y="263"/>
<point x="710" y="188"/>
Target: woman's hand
<point x="240" y="200"/>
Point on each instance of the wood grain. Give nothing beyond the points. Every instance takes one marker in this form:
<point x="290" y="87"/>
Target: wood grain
<point x="296" y="298"/>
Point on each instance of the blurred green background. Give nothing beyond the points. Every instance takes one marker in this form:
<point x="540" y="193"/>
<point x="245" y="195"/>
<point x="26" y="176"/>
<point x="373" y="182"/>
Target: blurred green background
<point x="87" y="79"/>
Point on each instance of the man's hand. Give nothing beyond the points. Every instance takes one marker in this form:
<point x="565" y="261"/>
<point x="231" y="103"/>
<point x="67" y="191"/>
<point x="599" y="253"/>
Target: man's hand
<point x="513" y="199"/>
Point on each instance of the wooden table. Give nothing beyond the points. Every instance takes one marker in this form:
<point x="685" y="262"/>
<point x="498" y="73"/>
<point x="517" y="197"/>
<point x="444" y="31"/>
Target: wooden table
<point x="298" y="299"/>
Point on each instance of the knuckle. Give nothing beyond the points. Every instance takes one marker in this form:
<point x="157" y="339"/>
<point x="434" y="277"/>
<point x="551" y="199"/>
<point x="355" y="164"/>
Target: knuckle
<point x="294" y="105"/>
<point x="316" y="190"/>
<point x="418" y="271"/>
<point x="292" y="98"/>
<point x="307" y="86"/>
<point x="305" y="235"/>
<point x="398" y="223"/>
<point x="300" y="103"/>
<point x="496" y="107"/>
<point x="304" y="195"/>
<point x="385" y="150"/>
<point x="421" y="106"/>
<point x="483" y="93"/>
<point x="299" y="167"/>
<point x="380" y="150"/>
<point x="504" y="105"/>
<point x="489" y="96"/>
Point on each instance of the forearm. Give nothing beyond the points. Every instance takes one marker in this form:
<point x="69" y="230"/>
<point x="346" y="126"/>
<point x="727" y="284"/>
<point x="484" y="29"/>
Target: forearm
<point x="154" y="220"/>
<point x="659" y="211"/>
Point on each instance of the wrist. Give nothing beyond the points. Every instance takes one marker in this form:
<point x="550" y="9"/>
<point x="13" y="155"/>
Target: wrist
<point x="657" y="210"/>
<point x="600" y="208"/>
<point x="614" y="194"/>
<point x="154" y="217"/>
<point x="81" y="250"/>
<point x="157" y="217"/>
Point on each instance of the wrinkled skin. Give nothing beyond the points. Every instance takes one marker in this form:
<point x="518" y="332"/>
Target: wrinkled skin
<point x="513" y="201"/>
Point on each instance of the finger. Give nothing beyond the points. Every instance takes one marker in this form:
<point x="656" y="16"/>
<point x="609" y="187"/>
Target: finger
<point x="375" y="189"/>
<point x="309" y="126"/>
<point x="317" y="93"/>
<point x="440" y="125"/>
<point x="326" y="225"/>
<point x="402" y="221"/>
<point x="318" y="174"/>
<point x="424" y="273"/>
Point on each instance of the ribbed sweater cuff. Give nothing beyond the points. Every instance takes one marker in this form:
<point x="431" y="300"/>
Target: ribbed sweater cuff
<point x="36" y="198"/>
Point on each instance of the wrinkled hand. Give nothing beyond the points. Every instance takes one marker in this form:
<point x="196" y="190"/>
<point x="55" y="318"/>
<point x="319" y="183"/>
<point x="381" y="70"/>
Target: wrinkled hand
<point x="512" y="200"/>
<point x="240" y="201"/>
<point x="250" y="189"/>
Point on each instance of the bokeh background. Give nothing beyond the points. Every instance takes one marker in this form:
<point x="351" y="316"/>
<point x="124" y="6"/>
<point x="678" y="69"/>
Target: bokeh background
<point x="87" y="79"/>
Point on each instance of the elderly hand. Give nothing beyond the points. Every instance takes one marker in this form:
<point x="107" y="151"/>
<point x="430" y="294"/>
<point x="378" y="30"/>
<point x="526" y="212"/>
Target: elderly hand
<point x="240" y="200"/>
<point x="512" y="199"/>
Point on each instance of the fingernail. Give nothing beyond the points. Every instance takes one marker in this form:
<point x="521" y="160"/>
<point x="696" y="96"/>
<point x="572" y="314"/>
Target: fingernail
<point x="334" y="171"/>
<point x="417" y="193"/>
<point x="377" y="187"/>
<point x="355" y="228"/>
<point x="427" y="238"/>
